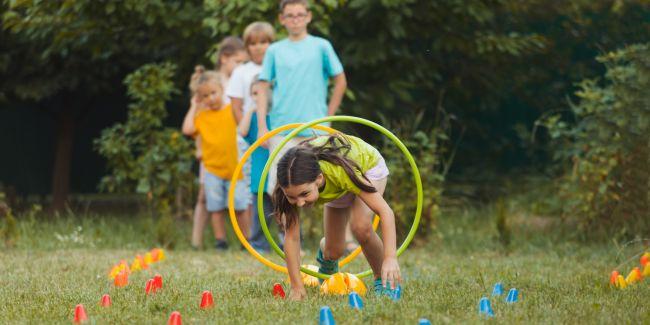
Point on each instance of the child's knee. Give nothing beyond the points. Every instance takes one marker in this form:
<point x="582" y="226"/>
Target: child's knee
<point x="332" y="251"/>
<point x="361" y="231"/>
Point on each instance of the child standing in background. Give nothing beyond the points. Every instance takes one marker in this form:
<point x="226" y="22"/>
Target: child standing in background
<point x="257" y="38"/>
<point x="213" y="121"/>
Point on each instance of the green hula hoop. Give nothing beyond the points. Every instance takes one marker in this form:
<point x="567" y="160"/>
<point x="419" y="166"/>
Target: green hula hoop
<point x="341" y="118"/>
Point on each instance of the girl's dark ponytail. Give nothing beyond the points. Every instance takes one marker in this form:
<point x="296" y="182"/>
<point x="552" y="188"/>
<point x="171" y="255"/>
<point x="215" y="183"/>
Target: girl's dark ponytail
<point x="282" y="209"/>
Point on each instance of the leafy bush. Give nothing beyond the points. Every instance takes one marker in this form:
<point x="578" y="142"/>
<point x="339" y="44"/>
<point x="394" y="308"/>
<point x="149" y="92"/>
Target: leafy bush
<point x="144" y="156"/>
<point x="608" y="184"/>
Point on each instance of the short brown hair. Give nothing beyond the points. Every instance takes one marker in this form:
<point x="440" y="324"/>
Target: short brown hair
<point x="228" y="47"/>
<point x="259" y="30"/>
<point x="285" y="3"/>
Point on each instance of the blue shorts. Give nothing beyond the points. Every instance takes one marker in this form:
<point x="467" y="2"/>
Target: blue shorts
<point x="216" y="193"/>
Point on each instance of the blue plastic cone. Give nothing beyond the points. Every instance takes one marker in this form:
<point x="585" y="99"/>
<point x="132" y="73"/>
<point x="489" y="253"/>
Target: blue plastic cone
<point x="326" y="317"/>
<point x="484" y="307"/>
<point x="513" y="296"/>
<point x="355" y="301"/>
<point x="498" y="289"/>
<point x="424" y="321"/>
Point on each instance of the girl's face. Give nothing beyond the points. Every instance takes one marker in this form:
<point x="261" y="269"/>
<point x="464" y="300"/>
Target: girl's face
<point x="209" y="95"/>
<point x="304" y="195"/>
<point x="256" y="89"/>
<point x="229" y="63"/>
<point x="257" y="48"/>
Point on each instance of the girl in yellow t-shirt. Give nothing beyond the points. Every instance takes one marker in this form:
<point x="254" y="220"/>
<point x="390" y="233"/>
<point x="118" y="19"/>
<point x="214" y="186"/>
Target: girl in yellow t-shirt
<point x="215" y="124"/>
<point x="349" y="176"/>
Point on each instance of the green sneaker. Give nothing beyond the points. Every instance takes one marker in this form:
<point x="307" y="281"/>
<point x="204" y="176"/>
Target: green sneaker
<point x="326" y="266"/>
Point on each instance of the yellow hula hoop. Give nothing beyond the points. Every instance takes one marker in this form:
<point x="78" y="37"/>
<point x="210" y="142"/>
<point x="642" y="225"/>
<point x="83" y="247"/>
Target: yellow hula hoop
<point x="231" y="199"/>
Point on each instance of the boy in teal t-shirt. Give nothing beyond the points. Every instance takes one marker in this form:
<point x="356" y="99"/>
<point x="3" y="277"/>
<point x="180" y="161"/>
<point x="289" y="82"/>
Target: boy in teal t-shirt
<point x="299" y="68"/>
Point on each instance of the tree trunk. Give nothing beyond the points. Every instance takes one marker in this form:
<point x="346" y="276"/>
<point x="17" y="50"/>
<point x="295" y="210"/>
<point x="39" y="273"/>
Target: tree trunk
<point x="62" y="158"/>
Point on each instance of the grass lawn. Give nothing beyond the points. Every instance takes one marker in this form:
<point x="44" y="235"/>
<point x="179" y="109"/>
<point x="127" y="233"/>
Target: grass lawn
<point x="59" y="264"/>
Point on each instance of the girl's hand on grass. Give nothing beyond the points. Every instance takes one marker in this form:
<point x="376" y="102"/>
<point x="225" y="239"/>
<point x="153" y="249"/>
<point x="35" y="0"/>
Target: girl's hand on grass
<point x="390" y="272"/>
<point x="298" y="294"/>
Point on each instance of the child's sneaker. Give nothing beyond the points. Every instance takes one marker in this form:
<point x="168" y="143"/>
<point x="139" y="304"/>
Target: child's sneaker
<point x="380" y="290"/>
<point x="221" y="245"/>
<point x="326" y="266"/>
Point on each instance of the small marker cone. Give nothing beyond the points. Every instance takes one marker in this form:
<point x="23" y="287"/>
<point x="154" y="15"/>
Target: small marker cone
<point x="161" y="255"/>
<point x="513" y="296"/>
<point x="645" y="258"/>
<point x="498" y="289"/>
<point x="136" y="265"/>
<point x="613" y="277"/>
<point x="149" y="287"/>
<point x="158" y="281"/>
<point x="424" y="321"/>
<point x="175" y="319"/>
<point x="326" y="317"/>
<point x="278" y="291"/>
<point x="148" y="259"/>
<point x="144" y="265"/>
<point x="206" y="300"/>
<point x="79" y="314"/>
<point x="620" y="282"/>
<point x="355" y="301"/>
<point x="646" y="270"/>
<point x="122" y="279"/>
<point x="484" y="307"/>
<point x="106" y="301"/>
<point x="632" y="277"/>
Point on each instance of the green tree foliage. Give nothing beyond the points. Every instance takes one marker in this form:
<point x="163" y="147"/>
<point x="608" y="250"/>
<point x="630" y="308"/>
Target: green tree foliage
<point x="607" y="143"/>
<point x="144" y="156"/>
<point x="68" y="55"/>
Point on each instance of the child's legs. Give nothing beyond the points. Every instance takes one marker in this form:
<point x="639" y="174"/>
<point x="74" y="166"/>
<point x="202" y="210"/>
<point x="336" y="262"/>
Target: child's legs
<point x="333" y="245"/>
<point x="219" y="224"/>
<point x="274" y="142"/>
<point x="242" y="201"/>
<point x="200" y="217"/>
<point x="361" y="226"/>
<point x="258" y="240"/>
<point x="216" y="191"/>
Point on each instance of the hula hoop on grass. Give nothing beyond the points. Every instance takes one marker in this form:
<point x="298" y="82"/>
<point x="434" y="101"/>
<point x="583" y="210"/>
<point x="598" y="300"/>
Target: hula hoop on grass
<point x="342" y="118"/>
<point x="231" y="201"/>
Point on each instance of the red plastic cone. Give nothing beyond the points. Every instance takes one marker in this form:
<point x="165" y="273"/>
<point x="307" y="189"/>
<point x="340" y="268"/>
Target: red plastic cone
<point x="278" y="291"/>
<point x="206" y="300"/>
<point x="613" y="277"/>
<point x="80" y="314"/>
<point x="106" y="301"/>
<point x="175" y="319"/>
<point x="149" y="287"/>
<point x="157" y="281"/>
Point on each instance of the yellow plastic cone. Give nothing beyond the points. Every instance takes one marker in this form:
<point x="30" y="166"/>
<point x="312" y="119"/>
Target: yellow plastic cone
<point x="308" y="280"/>
<point x="355" y="284"/>
<point x="620" y="282"/>
<point x="148" y="259"/>
<point x="646" y="270"/>
<point x="136" y="266"/>
<point x="335" y="285"/>
<point x="632" y="277"/>
<point x="161" y="255"/>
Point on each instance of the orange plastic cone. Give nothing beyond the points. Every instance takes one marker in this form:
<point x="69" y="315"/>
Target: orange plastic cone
<point x="122" y="279"/>
<point x="612" y="278"/>
<point x="174" y="319"/>
<point x="79" y="314"/>
<point x="206" y="300"/>
<point x="157" y="281"/>
<point x="106" y="301"/>
<point x="278" y="291"/>
<point x="149" y="287"/>
<point x="155" y="254"/>
<point x="645" y="258"/>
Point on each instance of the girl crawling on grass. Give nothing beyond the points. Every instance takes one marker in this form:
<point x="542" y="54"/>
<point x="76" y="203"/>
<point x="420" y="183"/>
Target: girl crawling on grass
<point x="349" y="176"/>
